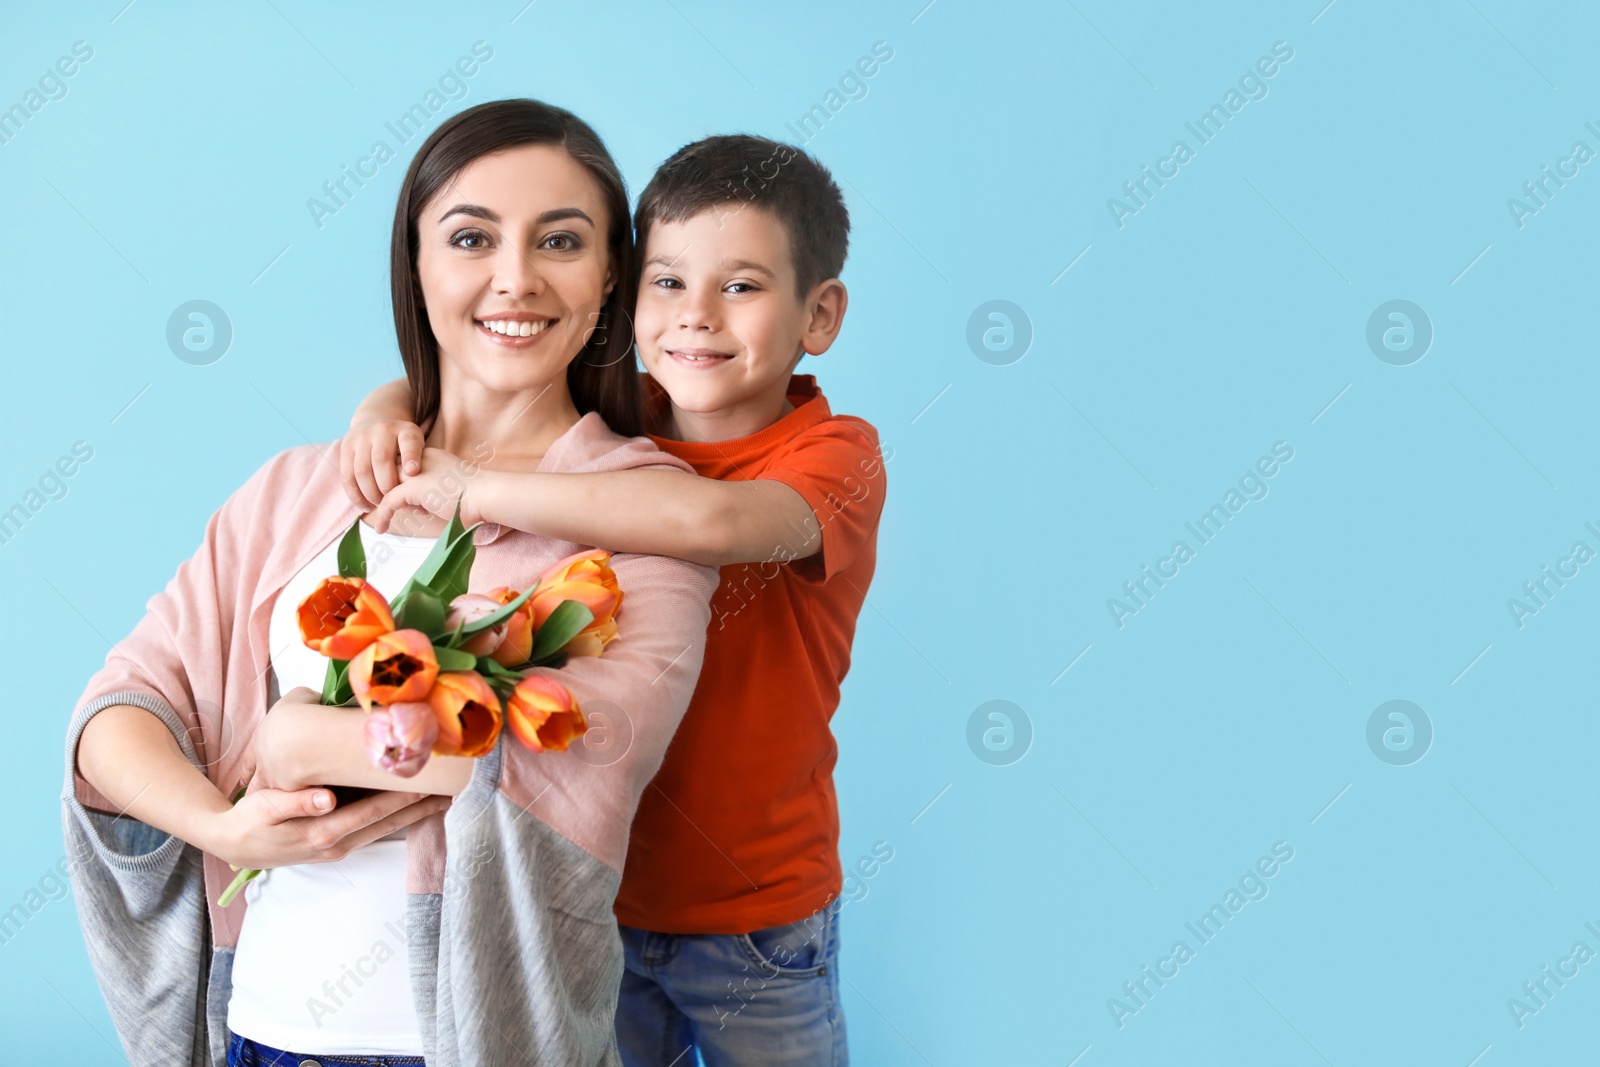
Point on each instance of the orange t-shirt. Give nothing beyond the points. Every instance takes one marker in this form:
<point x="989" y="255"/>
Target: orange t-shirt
<point x="740" y="828"/>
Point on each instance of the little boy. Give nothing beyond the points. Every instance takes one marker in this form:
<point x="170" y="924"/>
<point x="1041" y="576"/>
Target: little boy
<point x="728" y="903"/>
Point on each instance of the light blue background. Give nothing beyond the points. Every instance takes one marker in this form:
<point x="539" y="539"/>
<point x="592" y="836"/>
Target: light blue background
<point x="1223" y="317"/>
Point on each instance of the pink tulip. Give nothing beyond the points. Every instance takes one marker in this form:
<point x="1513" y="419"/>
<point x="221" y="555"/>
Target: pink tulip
<point x="400" y="737"/>
<point x="469" y="608"/>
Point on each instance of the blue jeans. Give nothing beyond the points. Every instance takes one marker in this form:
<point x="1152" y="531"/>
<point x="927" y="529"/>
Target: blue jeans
<point x="770" y="997"/>
<point x="242" y="1052"/>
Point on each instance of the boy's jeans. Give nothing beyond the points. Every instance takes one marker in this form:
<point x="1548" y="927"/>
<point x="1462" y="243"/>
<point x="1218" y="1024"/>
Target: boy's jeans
<point x="770" y="997"/>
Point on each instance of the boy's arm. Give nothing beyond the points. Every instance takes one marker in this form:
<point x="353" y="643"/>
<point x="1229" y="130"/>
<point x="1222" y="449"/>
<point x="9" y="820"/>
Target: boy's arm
<point x="652" y="512"/>
<point x="380" y="430"/>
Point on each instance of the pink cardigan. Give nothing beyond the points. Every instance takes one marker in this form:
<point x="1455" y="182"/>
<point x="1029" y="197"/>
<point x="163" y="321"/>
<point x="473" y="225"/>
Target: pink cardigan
<point x="202" y="650"/>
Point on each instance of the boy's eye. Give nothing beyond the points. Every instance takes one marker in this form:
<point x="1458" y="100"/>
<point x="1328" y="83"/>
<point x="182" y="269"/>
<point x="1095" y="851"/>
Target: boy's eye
<point x="739" y="287"/>
<point x="668" y="283"/>
<point x="471" y="240"/>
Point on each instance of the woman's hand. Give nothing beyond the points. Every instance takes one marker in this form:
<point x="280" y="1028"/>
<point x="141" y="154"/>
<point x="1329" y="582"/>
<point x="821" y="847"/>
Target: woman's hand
<point x="277" y="828"/>
<point x="373" y="455"/>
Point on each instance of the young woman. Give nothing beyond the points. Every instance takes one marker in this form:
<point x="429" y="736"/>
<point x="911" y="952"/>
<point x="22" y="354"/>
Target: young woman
<point x="389" y="928"/>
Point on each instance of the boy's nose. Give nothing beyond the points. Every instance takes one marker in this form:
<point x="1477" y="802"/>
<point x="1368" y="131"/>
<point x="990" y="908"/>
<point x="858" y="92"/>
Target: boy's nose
<point x="695" y="314"/>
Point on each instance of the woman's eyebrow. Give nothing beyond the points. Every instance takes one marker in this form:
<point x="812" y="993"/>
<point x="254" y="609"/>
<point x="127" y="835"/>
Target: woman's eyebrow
<point x="553" y="215"/>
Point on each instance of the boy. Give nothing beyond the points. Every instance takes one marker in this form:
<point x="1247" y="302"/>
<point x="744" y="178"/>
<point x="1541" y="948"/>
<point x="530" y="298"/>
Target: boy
<point x="727" y="904"/>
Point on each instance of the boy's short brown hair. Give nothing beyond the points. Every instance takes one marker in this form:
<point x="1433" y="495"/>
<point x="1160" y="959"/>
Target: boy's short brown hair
<point x="754" y="171"/>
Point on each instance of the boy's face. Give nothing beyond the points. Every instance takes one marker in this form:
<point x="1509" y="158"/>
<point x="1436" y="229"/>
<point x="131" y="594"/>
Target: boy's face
<point x="719" y="323"/>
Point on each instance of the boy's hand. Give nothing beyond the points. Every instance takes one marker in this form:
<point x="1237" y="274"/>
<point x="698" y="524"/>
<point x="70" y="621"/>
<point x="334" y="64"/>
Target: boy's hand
<point x="373" y="455"/>
<point x="434" y="491"/>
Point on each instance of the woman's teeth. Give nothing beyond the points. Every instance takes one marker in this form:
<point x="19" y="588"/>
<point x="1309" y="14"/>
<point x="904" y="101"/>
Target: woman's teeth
<point x="515" y="329"/>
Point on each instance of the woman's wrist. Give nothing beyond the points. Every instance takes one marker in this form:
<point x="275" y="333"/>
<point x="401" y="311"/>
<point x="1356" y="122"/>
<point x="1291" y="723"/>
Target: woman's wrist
<point x="277" y="756"/>
<point x="209" y="831"/>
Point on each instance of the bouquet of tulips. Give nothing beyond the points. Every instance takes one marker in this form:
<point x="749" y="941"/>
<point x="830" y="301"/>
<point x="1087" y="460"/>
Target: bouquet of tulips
<point x="438" y="670"/>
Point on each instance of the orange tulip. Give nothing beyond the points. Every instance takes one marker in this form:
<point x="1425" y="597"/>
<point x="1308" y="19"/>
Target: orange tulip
<point x="592" y="640"/>
<point x="518" y="644"/>
<point x="396" y="667"/>
<point x="468" y="712"/>
<point x="586" y="577"/>
<point x="543" y="715"/>
<point x="342" y="616"/>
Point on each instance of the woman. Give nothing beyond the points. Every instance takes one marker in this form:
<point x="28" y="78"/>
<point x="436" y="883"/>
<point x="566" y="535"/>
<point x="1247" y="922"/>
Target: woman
<point x="511" y="256"/>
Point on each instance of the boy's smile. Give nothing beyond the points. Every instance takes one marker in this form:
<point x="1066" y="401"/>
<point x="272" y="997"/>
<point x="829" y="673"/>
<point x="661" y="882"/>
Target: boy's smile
<point x="720" y="323"/>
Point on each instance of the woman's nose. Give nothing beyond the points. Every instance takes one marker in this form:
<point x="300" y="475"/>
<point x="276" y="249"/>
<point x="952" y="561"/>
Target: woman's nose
<point x="516" y="274"/>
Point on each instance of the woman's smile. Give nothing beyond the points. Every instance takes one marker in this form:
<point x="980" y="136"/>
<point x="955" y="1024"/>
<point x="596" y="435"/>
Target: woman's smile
<point x="514" y="329"/>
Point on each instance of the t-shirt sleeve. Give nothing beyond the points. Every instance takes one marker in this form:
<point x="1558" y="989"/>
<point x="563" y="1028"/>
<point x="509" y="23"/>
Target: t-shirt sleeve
<point x="836" y="466"/>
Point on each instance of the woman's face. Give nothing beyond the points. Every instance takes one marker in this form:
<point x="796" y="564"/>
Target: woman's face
<point x="514" y="269"/>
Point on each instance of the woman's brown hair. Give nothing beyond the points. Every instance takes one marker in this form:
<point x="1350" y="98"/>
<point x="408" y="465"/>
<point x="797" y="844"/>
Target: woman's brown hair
<point x="601" y="377"/>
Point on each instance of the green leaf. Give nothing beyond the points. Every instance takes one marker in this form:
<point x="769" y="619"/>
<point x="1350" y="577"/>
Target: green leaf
<point x="352" y="557"/>
<point x="420" y="610"/>
<point x="332" y="678"/>
<point x="492" y="670"/>
<point x="562" y="626"/>
<point x="451" y="579"/>
<point x="495" y="618"/>
<point x="454" y="638"/>
<point x="555" y="660"/>
<point x="342" y="693"/>
<point x="437" y="556"/>
<point x="453" y="659"/>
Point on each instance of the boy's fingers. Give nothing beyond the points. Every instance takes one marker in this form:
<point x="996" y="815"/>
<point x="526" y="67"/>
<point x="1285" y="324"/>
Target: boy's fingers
<point x="369" y="487"/>
<point x="379" y="516"/>
<point x="347" y="476"/>
<point x="383" y="466"/>
<point x="411" y="445"/>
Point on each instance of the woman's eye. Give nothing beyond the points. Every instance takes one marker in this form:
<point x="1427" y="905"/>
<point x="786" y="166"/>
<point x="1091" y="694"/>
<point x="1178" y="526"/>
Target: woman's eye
<point x="561" y="242"/>
<point x="471" y="240"/>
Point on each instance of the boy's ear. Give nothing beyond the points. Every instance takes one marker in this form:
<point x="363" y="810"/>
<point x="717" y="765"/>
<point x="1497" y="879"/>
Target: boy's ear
<point x="826" y="306"/>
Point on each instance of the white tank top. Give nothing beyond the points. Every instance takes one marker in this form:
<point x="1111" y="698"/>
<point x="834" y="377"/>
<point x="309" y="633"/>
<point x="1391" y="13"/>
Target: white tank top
<point x="321" y="965"/>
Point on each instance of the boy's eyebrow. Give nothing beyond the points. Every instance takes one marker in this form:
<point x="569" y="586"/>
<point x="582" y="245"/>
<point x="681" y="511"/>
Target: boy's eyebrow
<point x="553" y="215"/>
<point x="664" y="260"/>
<point x="746" y="264"/>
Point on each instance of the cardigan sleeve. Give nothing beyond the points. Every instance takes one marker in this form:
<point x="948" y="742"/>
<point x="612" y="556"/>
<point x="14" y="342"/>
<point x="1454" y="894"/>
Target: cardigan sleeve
<point x="140" y="892"/>
<point x="634" y="697"/>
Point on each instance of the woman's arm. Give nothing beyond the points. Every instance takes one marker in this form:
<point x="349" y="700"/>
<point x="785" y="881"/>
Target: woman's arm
<point x="132" y="758"/>
<point x="304" y="743"/>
